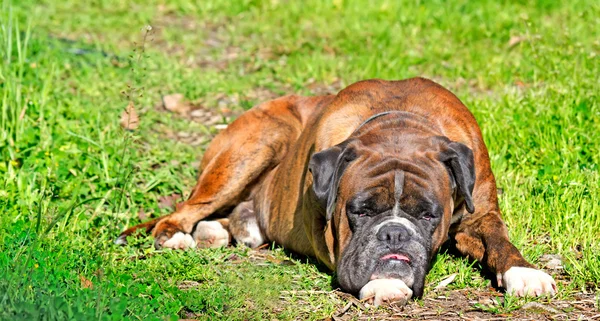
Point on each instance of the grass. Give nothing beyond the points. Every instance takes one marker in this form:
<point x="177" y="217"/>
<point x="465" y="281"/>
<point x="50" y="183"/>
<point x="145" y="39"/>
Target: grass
<point x="71" y="178"/>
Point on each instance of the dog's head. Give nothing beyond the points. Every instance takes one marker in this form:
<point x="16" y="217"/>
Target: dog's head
<point x="390" y="194"/>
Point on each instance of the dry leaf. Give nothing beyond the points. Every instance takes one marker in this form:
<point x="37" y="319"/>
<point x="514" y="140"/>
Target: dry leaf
<point x="515" y="40"/>
<point x="198" y="113"/>
<point x="22" y="115"/>
<point x="168" y="201"/>
<point x="552" y="261"/>
<point x="85" y="283"/>
<point x="520" y="84"/>
<point x="129" y="118"/>
<point x="176" y="103"/>
<point x="186" y="285"/>
<point x="142" y="215"/>
<point x="444" y="283"/>
<point x="539" y="306"/>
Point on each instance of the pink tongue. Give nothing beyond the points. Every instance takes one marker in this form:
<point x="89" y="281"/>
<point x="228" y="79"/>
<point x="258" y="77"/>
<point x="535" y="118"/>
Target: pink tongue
<point x="398" y="257"/>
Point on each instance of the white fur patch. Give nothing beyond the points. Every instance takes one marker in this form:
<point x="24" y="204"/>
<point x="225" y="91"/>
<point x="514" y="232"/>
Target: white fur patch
<point x="401" y="220"/>
<point x="211" y="234"/>
<point x="179" y="241"/>
<point x="522" y="281"/>
<point x="386" y="291"/>
<point x="254" y="238"/>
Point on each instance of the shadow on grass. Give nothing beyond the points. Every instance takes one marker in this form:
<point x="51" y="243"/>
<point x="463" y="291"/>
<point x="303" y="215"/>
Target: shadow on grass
<point x="449" y="247"/>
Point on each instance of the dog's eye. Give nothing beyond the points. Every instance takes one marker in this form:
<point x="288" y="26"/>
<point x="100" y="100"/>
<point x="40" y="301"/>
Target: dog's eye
<point x="427" y="217"/>
<point x="361" y="213"/>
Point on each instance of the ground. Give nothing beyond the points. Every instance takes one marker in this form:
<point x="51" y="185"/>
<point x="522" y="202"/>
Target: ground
<point x="107" y="107"/>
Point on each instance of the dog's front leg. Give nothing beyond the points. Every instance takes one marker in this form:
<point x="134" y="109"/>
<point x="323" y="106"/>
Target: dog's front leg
<point x="485" y="238"/>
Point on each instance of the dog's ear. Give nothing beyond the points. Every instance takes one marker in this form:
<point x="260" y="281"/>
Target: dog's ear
<point x="327" y="168"/>
<point x="460" y="163"/>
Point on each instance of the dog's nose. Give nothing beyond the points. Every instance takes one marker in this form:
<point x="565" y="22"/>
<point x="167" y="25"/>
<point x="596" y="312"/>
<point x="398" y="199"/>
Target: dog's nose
<point x="393" y="234"/>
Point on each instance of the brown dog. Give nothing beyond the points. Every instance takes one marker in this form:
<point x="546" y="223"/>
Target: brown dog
<point x="371" y="181"/>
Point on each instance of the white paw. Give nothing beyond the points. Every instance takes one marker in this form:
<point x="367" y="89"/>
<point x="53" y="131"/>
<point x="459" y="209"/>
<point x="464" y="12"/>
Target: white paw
<point x="211" y="234"/>
<point x="522" y="281"/>
<point x="121" y="240"/>
<point x="386" y="291"/>
<point x="253" y="238"/>
<point x="179" y="241"/>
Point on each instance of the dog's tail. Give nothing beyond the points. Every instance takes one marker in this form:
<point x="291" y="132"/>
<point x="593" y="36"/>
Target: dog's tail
<point x="147" y="226"/>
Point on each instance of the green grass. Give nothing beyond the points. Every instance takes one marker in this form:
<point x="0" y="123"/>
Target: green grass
<point x="71" y="178"/>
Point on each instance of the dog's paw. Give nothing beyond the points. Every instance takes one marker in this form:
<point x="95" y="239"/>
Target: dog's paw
<point x="121" y="240"/>
<point x="522" y="281"/>
<point x="211" y="234"/>
<point x="250" y="236"/>
<point x="166" y="230"/>
<point x="385" y="291"/>
<point x="179" y="241"/>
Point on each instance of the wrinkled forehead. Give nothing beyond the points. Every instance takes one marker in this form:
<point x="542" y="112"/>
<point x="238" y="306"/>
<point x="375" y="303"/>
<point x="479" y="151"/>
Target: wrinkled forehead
<point x="388" y="142"/>
<point x="383" y="186"/>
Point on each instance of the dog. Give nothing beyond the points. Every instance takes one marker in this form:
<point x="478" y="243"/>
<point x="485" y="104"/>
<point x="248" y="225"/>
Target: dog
<point x="371" y="181"/>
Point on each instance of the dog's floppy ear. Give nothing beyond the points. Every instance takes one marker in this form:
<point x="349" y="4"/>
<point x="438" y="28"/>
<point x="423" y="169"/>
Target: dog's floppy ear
<point x="460" y="163"/>
<point x="327" y="168"/>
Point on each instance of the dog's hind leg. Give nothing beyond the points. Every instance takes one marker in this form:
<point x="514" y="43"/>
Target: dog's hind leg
<point x="241" y="226"/>
<point x="235" y="162"/>
<point x="224" y="183"/>
<point x="244" y="227"/>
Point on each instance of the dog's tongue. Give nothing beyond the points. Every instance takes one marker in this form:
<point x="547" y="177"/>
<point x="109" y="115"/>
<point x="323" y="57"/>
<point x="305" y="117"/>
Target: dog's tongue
<point x="399" y="257"/>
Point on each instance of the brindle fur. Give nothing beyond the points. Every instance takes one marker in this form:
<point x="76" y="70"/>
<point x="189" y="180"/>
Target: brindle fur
<point x="263" y="157"/>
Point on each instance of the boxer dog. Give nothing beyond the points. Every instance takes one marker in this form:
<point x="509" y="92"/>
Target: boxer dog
<point x="371" y="182"/>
